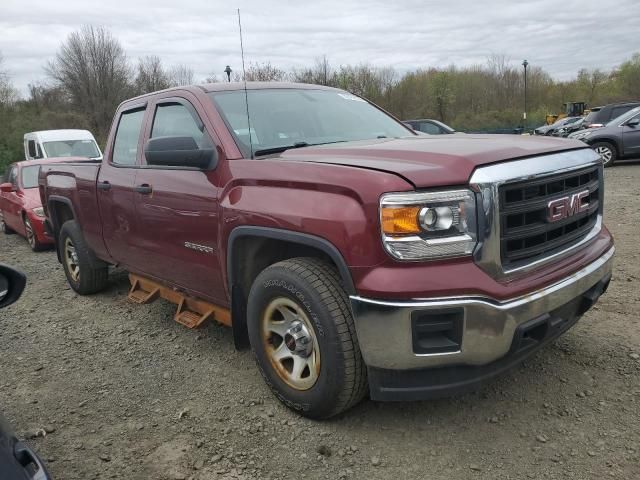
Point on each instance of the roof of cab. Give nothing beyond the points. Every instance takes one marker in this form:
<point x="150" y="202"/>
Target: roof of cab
<point x="225" y="86"/>
<point x="60" y="135"/>
<point x="232" y="86"/>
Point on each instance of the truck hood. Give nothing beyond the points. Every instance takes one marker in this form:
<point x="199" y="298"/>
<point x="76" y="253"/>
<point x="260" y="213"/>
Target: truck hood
<point x="435" y="160"/>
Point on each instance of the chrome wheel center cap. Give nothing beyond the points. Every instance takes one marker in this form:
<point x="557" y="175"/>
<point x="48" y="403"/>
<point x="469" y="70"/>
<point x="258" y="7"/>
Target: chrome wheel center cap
<point x="298" y="340"/>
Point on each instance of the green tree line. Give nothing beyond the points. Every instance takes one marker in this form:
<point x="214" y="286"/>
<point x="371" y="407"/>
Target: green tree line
<point x="91" y="74"/>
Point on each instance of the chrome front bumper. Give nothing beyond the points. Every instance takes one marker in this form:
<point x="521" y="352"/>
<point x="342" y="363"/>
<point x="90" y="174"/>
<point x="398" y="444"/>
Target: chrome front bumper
<point x="384" y="328"/>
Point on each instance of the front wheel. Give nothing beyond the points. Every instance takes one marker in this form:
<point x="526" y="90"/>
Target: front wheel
<point x="303" y="337"/>
<point x="606" y="151"/>
<point x="85" y="272"/>
<point x="32" y="238"/>
<point x="4" y="227"/>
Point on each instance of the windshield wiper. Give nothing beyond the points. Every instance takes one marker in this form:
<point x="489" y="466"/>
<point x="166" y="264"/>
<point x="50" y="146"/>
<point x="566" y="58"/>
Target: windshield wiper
<point x="268" y="151"/>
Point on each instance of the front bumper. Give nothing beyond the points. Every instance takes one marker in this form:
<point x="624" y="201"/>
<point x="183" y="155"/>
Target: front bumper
<point x="486" y="336"/>
<point x="39" y="229"/>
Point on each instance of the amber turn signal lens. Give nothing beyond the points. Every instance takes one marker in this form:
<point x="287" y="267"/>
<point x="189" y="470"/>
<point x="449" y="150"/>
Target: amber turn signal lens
<point x="400" y="220"/>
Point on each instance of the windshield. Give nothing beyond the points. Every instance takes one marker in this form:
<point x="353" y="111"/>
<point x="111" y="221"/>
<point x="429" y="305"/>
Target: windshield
<point x="592" y="116"/>
<point x="300" y="117"/>
<point x="30" y="176"/>
<point x="72" y="148"/>
<point x="624" y="117"/>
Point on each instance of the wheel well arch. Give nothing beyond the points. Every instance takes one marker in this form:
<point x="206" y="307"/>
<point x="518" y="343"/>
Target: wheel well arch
<point x="252" y="249"/>
<point x="59" y="210"/>
<point x="610" y="141"/>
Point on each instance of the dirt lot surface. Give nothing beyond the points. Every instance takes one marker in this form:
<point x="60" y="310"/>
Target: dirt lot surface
<point x="122" y="391"/>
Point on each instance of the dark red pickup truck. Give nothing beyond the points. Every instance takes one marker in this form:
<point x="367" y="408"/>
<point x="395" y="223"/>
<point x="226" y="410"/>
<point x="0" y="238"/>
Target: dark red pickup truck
<point x="352" y="255"/>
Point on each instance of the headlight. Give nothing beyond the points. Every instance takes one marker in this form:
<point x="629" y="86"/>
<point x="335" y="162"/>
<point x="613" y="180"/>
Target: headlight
<point x="581" y="135"/>
<point x="39" y="211"/>
<point x="426" y="225"/>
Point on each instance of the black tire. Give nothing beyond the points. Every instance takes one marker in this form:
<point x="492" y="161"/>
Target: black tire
<point x="32" y="238"/>
<point x="607" y="152"/>
<point x="91" y="274"/>
<point x="4" y="227"/>
<point x="315" y="287"/>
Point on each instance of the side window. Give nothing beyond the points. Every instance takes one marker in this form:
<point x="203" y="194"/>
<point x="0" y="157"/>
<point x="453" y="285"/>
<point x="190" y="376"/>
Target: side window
<point x="430" y="128"/>
<point x="38" y="151"/>
<point x="31" y="147"/>
<point x="125" y="146"/>
<point x="13" y="176"/>
<point x="175" y="120"/>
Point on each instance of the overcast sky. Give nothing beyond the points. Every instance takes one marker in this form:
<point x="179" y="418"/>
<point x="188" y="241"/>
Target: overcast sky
<point x="560" y="36"/>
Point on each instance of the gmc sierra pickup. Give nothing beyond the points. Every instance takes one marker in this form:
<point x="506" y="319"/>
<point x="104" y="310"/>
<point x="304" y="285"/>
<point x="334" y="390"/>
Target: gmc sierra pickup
<point x="350" y="254"/>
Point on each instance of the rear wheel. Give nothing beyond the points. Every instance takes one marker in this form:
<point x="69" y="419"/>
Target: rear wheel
<point x="34" y="243"/>
<point x="607" y="152"/>
<point x="85" y="272"/>
<point x="303" y="337"/>
<point x="4" y="227"/>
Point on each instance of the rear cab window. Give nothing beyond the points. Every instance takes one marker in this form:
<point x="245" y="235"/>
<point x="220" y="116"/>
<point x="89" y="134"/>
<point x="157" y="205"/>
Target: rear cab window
<point x="125" y="145"/>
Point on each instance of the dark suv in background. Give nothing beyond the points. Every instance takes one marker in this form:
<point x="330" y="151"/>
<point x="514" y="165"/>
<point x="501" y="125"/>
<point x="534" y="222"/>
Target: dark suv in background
<point x="600" y="116"/>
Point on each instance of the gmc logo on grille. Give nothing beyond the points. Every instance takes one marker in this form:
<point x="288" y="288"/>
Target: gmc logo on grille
<point x="565" y="207"/>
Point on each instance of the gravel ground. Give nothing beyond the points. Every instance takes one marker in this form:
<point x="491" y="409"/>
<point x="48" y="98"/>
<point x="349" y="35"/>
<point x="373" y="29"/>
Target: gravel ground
<point x="108" y="389"/>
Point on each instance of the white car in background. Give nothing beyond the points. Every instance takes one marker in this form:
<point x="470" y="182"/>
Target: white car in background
<point x="61" y="143"/>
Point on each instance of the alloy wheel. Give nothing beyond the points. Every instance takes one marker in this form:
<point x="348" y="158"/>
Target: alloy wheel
<point x="605" y="153"/>
<point x="290" y="343"/>
<point x="71" y="260"/>
<point x="31" y="237"/>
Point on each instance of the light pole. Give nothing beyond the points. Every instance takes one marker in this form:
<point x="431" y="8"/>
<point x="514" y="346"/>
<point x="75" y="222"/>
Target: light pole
<point x="228" y="72"/>
<point x="524" y="117"/>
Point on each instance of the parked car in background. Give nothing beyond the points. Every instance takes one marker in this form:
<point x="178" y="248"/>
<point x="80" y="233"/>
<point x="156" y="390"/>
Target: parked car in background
<point x="618" y="139"/>
<point x="20" y="206"/>
<point x="60" y="143"/>
<point x="600" y="116"/>
<point x="551" y="129"/>
<point x="431" y="127"/>
<point x="17" y="460"/>
<point x="566" y="130"/>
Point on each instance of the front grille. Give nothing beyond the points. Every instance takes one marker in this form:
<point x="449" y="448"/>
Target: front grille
<point x="526" y="234"/>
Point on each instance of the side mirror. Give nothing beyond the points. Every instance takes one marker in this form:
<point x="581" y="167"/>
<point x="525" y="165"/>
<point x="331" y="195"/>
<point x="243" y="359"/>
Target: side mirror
<point x="12" y="284"/>
<point x="7" y="187"/>
<point x="179" y="152"/>
<point x="634" y="122"/>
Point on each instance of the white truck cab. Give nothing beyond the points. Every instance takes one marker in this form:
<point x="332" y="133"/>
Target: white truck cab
<point x="61" y="143"/>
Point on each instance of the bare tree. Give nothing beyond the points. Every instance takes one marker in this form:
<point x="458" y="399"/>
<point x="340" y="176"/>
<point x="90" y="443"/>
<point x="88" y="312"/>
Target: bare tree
<point x="151" y="76"/>
<point x="180" y="75"/>
<point x="8" y="94"/>
<point x="92" y="69"/>
<point x="264" y="72"/>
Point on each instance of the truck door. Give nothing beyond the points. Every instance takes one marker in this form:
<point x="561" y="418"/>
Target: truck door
<point x="115" y="186"/>
<point x="177" y="207"/>
<point x="631" y="136"/>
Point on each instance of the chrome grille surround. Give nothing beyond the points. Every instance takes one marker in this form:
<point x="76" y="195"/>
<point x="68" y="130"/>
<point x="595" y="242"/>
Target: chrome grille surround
<point x="486" y="181"/>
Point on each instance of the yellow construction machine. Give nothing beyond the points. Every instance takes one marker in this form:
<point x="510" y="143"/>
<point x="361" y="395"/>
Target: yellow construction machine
<point x="569" y="109"/>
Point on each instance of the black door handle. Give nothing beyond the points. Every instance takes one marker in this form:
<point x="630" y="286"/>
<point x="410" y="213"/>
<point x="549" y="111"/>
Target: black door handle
<point x="105" y="185"/>
<point x="145" y="188"/>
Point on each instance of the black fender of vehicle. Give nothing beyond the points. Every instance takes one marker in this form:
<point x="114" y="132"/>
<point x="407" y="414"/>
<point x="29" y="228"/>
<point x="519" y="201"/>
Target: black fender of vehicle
<point x="239" y="292"/>
<point x="55" y="221"/>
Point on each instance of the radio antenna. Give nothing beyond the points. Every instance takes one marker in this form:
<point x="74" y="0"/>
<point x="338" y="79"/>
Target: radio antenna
<point x="246" y="96"/>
